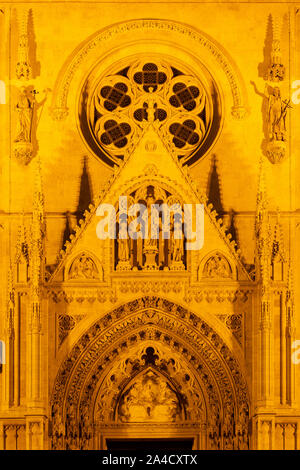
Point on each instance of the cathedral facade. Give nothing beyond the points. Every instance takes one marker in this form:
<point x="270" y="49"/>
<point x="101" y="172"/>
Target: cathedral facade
<point x="189" y="335"/>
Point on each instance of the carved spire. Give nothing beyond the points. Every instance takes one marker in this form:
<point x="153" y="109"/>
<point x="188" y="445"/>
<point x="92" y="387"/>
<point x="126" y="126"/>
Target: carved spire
<point x="37" y="244"/>
<point x="23" y="67"/>
<point x="22" y="249"/>
<point x="262" y="231"/>
<point x="10" y="303"/>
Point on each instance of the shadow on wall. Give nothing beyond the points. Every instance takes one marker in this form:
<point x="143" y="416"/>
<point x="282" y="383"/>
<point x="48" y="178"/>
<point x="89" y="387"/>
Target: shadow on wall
<point x="35" y="65"/>
<point x="214" y="188"/>
<point x="85" y="198"/>
<point x="85" y="192"/>
<point x="263" y="66"/>
<point x="214" y="195"/>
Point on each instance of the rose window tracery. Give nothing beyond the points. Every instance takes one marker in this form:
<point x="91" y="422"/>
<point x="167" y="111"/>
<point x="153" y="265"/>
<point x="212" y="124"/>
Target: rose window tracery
<point x="123" y="103"/>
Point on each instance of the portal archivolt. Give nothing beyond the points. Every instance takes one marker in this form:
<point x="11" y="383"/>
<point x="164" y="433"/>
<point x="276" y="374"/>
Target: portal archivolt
<point x="150" y="362"/>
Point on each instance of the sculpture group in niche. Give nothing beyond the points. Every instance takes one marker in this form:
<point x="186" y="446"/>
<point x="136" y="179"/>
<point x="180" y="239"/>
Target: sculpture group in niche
<point x="152" y="253"/>
<point x="150" y="398"/>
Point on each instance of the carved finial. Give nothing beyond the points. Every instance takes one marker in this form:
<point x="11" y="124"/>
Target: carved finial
<point x="23" y="67"/>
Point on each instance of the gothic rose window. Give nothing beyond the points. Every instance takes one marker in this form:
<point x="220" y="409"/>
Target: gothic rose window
<point x="122" y="104"/>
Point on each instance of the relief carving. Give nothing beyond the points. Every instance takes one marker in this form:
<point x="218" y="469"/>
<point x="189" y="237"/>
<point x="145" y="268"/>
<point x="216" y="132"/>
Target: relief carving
<point x="83" y="267"/>
<point x="217" y="267"/>
<point x="150" y="398"/>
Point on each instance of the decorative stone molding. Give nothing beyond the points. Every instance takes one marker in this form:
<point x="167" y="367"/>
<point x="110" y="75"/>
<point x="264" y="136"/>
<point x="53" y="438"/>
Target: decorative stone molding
<point x="217" y="295"/>
<point x="59" y="107"/>
<point x="81" y="295"/>
<point x="235" y="323"/>
<point x="66" y="323"/>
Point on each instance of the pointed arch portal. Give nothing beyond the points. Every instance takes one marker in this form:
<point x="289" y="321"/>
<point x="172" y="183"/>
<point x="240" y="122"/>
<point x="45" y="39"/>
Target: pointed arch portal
<point x="150" y="366"/>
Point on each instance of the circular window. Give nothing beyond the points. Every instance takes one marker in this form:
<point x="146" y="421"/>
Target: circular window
<point x="124" y="103"/>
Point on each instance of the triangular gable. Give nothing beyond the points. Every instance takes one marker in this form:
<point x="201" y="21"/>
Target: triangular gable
<point x="151" y="160"/>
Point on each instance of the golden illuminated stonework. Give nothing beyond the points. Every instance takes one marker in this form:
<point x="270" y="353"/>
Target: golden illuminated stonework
<point x="149" y="225"/>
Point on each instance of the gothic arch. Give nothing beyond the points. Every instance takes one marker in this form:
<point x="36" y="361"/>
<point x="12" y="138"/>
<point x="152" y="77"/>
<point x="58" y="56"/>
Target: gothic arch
<point x="172" y="332"/>
<point x="177" y="35"/>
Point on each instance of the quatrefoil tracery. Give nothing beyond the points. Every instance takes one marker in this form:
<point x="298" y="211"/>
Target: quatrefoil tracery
<point x="123" y="104"/>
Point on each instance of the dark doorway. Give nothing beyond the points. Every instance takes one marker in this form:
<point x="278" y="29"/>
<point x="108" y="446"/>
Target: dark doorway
<point x="149" y="444"/>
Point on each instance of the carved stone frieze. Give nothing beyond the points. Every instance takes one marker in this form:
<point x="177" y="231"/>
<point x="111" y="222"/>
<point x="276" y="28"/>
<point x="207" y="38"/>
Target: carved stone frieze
<point x="81" y="295"/>
<point x="217" y="295"/>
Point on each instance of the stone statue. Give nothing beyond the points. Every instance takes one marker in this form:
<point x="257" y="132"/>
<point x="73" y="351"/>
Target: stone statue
<point x="274" y="116"/>
<point x="277" y="109"/>
<point x="123" y="249"/>
<point x="25" y="107"/>
<point x="176" y="247"/>
<point x="151" y="106"/>
<point x="150" y="242"/>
